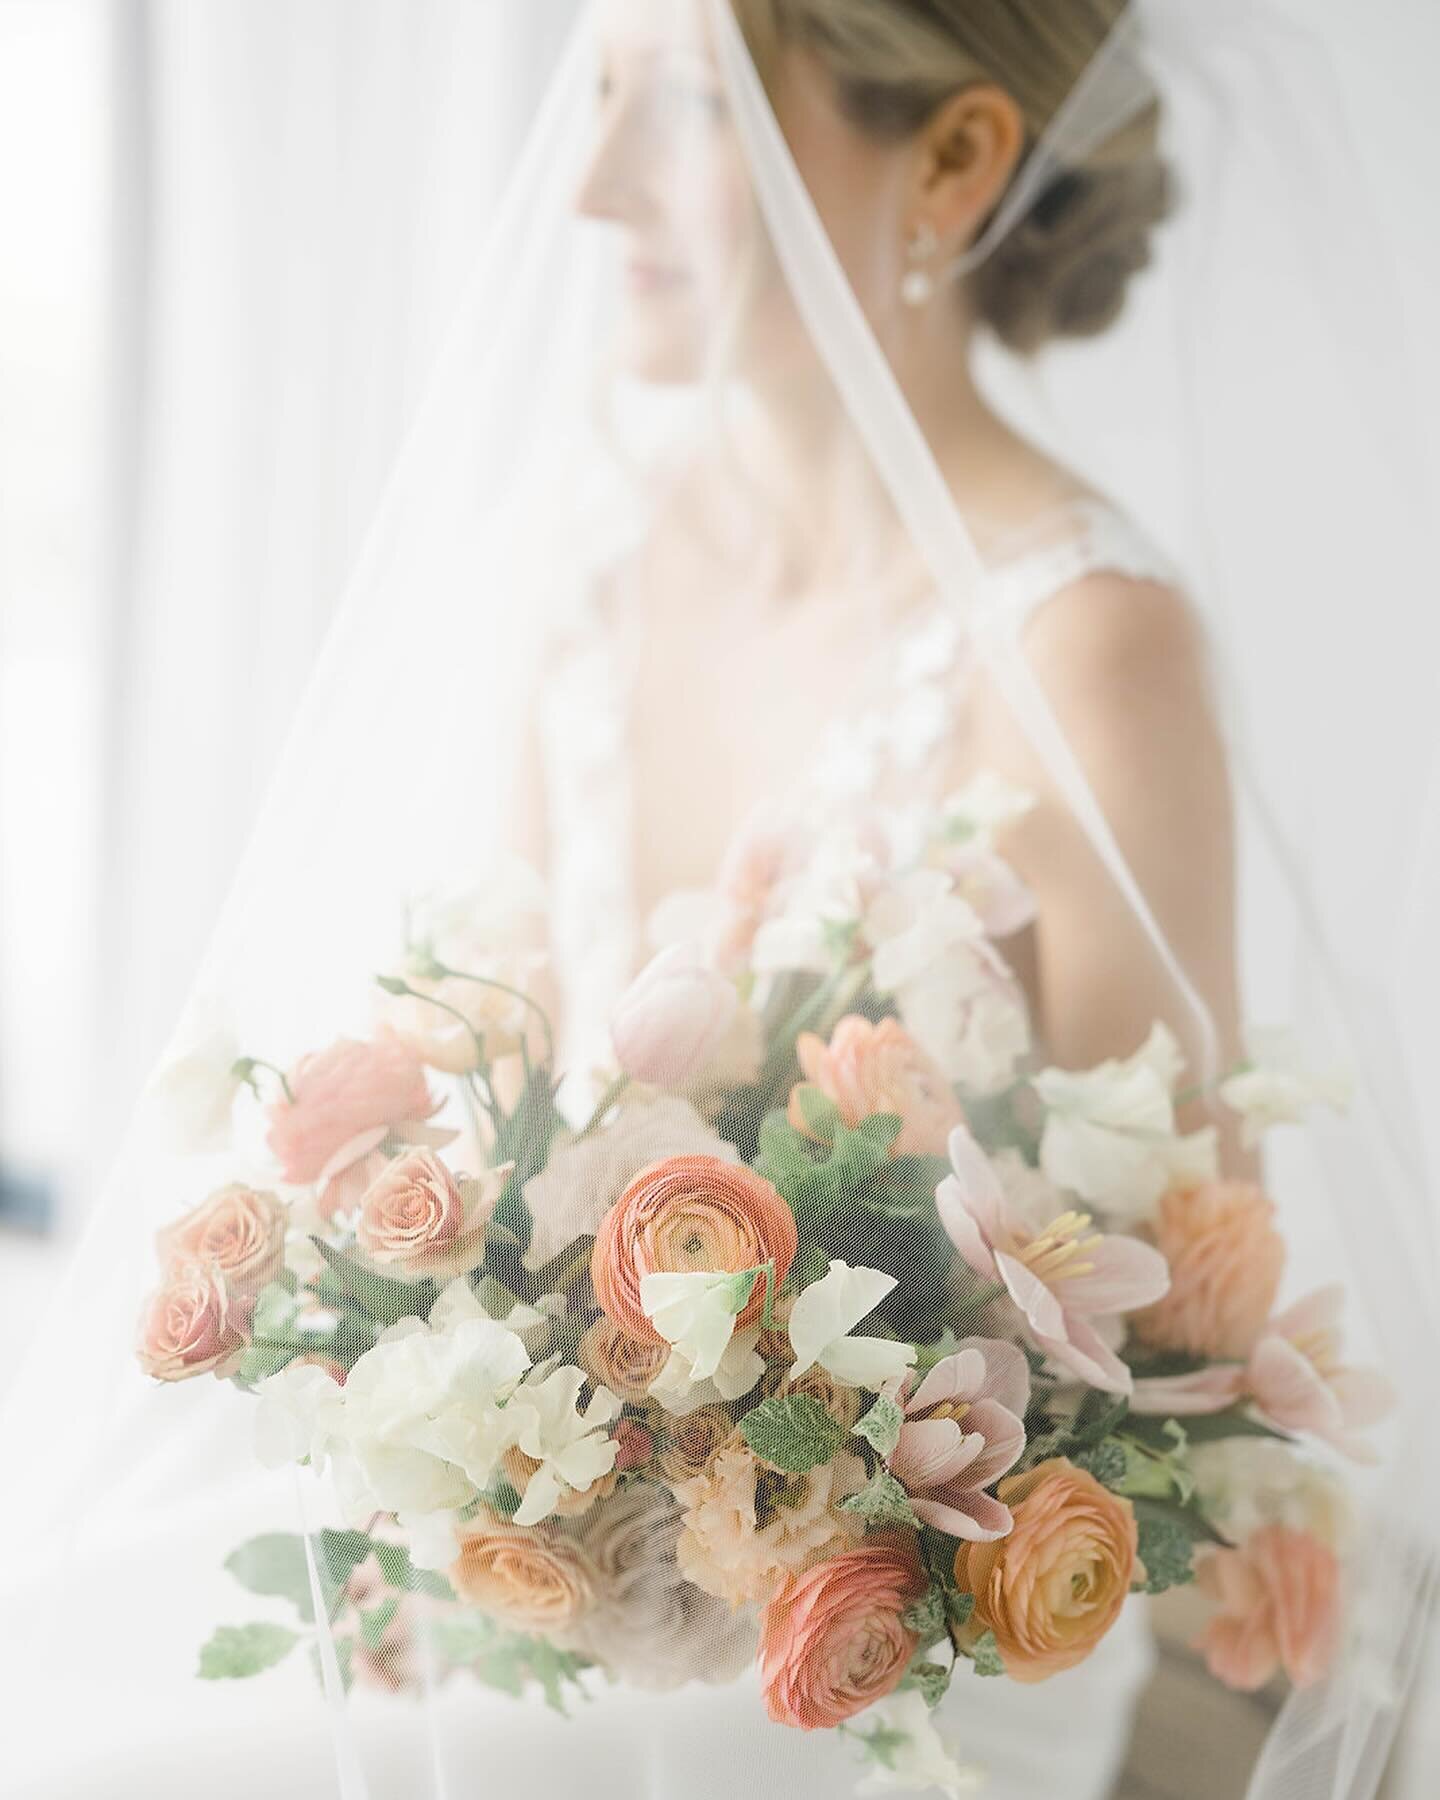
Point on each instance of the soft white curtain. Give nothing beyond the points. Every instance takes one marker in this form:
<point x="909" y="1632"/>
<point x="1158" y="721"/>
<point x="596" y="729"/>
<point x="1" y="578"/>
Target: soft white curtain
<point x="316" y="177"/>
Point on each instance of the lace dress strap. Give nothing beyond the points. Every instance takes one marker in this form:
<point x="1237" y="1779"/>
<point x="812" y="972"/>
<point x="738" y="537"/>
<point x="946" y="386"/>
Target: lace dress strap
<point x="1089" y="538"/>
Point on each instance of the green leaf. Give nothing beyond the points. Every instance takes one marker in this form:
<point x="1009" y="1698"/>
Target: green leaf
<point x="961" y="1606"/>
<point x="260" y="1360"/>
<point x="276" y="1310"/>
<point x="400" y="1572"/>
<point x="819" y="1112"/>
<point x="932" y="1680"/>
<point x="375" y="1621"/>
<point x="1167" y="1550"/>
<point x="926" y="1618"/>
<point x="1108" y="1462"/>
<point x="985" y="1655"/>
<point x="275" y="1565"/>
<point x="385" y="1300"/>
<point x="340" y="1553"/>
<point x="238" y="1651"/>
<point x="881" y="1426"/>
<point x="793" y="1433"/>
<point x="882" y="1502"/>
<point x="502" y="1659"/>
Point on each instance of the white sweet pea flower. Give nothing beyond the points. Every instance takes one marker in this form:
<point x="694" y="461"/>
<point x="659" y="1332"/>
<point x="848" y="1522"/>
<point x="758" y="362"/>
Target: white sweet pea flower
<point x="822" y="1318"/>
<point x="1110" y="1134"/>
<point x="697" y="1312"/>
<point x="905" y="1751"/>
<point x="572" y="1447"/>
<point x="298" y="1416"/>
<point x="433" y="1538"/>
<point x="1277" y="1088"/>
<point x="987" y="803"/>
<point x="681" y="1392"/>
<point x="192" y="1097"/>
<point x="830" y="893"/>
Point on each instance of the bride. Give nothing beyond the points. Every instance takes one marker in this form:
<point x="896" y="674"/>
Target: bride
<point x="718" y="538"/>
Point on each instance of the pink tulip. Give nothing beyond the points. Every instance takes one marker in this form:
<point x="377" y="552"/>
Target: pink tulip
<point x="1061" y="1276"/>
<point x="963" y="1430"/>
<point x="672" y="1018"/>
<point x="1296" y="1378"/>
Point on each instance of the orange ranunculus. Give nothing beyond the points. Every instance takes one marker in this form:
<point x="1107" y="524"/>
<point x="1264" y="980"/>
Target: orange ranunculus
<point x="833" y="1640"/>
<point x="1279" y="1601"/>
<point x="689" y="1213"/>
<point x="1225" y="1258"/>
<point x="1052" y="1588"/>
<point x="867" y="1069"/>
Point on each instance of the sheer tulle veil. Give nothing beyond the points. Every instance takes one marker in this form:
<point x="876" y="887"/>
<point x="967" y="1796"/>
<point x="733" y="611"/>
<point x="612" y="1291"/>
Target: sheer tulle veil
<point x="1248" y="407"/>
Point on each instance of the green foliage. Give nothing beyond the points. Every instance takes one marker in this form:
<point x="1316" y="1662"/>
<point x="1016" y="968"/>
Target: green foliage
<point x="882" y="1502"/>
<point x="399" y="1572"/>
<point x="375" y="1621"/>
<point x="1108" y="1462"/>
<point x="793" y="1433"/>
<point x="932" y="1680"/>
<point x="985" y="1655"/>
<point x="1167" y="1549"/>
<point x="880" y="1427"/>
<point x="524" y="1137"/>
<point x="505" y="1660"/>
<point x="1094" y="1421"/>
<point x="853" y="1168"/>
<point x="384" y="1300"/>
<point x="926" y="1618"/>
<point x="275" y="1565"/>
<point x="236" y="1652"/>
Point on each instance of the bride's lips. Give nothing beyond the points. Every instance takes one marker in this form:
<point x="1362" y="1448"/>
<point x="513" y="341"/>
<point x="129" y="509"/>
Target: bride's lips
<point x="646" y="275"/>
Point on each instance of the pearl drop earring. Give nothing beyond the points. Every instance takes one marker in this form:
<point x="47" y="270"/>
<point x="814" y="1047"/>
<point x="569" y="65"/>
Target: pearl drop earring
<point x="918" y="287"/>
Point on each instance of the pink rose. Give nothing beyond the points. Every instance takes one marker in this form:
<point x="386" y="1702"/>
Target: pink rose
<point x="347" y="1099"/>
<point x="833" y="1641"/>
<point x="672" y="1018"/>
<point x="867" y="1069"/>
<point x="417" y="1218"/>
<point x="237" y="1231"/>
<point x="189" y="1327"/>
<point x="1279" y="1607"/>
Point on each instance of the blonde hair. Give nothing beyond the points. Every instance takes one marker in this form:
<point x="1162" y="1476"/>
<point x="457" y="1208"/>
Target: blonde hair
<point x="1063" y="269"/>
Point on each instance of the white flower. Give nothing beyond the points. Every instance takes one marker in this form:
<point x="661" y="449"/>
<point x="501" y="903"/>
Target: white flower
<point x="571" y="1447"/>
<point x="913" y="923"/>
<point x="1277" y="1088"/>
<point x="822" y="1318"/>
<point x="829" y="893"/>
<point x="680" y="1391"/>
<point x="696" y="1313"/>
<point x="459" y="1301"/>
<point x="905" y="1751"/>
<point x="297" y="1416"/>
<point x="583" y="1179"/>
<point x="1244" y="1484"/>
<point x="1110" y="1133"/>
<point x="193" y="1095"/>
<point x="493" y="904"/>
<point x="433" y="1538"/>
<point x="986" y="804"/>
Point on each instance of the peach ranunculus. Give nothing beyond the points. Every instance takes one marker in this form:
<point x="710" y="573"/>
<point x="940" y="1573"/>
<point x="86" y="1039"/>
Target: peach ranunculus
<point x="190" y="1326"/>
<point x="1279" y="1607"/>
<point x="1297" y="1378"/>
<point x="624" y="1364"/>
<point x="417" y="1219"/>
<point x="1225" y="1258"/>
<point x="1055" y="1585"/>
<point x="345" y="1100"/>
<point x="834" y="1641"/>
<point x="748" y="1526"/>
<point x="673" y="1017"/>
<point x="530" y="1579"/>
<point x="239" y="1231"/>
<point x="686" y="1215"/>
<point x="867" y="1069"/>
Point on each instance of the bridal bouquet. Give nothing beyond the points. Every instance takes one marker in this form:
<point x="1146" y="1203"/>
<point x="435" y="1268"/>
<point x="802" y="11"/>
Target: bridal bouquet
<point x="839" y="1337"/>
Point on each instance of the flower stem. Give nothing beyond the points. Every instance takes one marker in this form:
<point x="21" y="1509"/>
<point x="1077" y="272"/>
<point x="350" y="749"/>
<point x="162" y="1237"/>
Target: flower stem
<point x="604" y="1103"/>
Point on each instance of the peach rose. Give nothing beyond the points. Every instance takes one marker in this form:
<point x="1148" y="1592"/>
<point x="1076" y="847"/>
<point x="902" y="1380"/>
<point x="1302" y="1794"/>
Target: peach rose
<point x="833" y="1641"/>
<point x="841" y="1402"/>
<point x="350" y="1091"/>
<point x="190" y="1327"/>
<point x="238" y="1231"/>
<point x="693" y="1442"/>
<point x="624" y="1364"/>
<point x="634" y="1445"/>
<point x="867" y="1069"/>
<point x="1279" y="1601"/>
<point x="1052" y="1588"/>
<point x="418" y="1219"/>
<point x="1225" y="1258"/>
<point x="688" y="1214"/>
<point x="524" y="1577"/>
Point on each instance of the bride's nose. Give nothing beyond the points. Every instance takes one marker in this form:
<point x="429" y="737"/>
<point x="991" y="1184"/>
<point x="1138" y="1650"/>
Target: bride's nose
<point x="612" y="184"/>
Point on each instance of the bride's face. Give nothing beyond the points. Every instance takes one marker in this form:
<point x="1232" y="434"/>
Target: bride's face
<point x="701" y="284"/>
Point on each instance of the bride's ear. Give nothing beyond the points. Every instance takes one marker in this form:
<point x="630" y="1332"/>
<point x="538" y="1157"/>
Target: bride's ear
<point x="970" y="149"/>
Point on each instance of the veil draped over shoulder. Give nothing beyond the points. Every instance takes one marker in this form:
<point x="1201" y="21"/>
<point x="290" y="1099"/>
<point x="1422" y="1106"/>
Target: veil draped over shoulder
<point x="629" y="1222"/>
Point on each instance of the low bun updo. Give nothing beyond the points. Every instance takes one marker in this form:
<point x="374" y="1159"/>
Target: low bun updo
<point x="1063" y="269"/>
